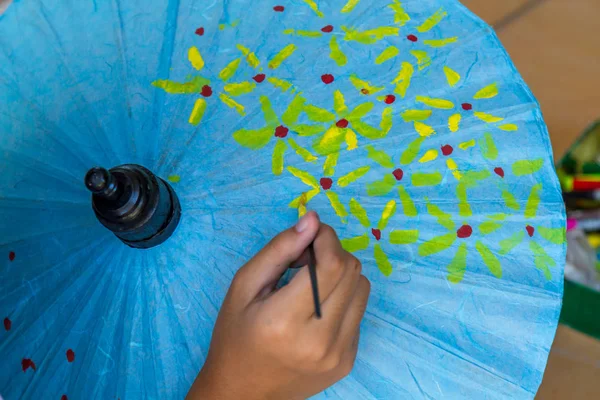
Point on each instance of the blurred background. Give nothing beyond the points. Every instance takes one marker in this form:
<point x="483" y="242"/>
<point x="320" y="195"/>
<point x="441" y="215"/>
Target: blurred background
<point x="555" y="45"/>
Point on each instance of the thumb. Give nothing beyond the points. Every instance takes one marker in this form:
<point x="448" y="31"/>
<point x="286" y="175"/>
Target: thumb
<point x="265" y="268"/>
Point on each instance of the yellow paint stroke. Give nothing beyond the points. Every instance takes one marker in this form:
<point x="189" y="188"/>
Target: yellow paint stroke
<point x="379" y="156"/>
<point x="174" y="178"/>
<point x="437" y="244"/>
<point x="302" y="205"/>
<point x="404" y="236"/>
<point x="426" y="178"/>
<point x="489" y="118"/>
<point x="281" y="84"/>
<point x="369" y="36"/>
<point x="508" y="127"/>
<point x="408" y="205"/>
<point x="381" y="187"/>
<point x="423" y="59"/>
<point x="415" y="115"/>
<point x="388" y="212"/>
<point x="250" y="57"/>
<point x="382" y="261"/>
<point x="192" y="86"/>
<point x="467" y="144"/>
<point x="230" y="70"/>
<point x="454" y="122"/>
<point x="435" y="103"/>
<point x="304" y="176"/>
<point x="253" y="138"/>
<point x="487" y="92"/>
<point x="350" y="6"/>
<point x="351" y="140"/>
<point x="387" y="54"/>
<point x="356" y="243"/>
<point x="330" y="163"/>
<point x="336" y="54"/>
<point x="451" y="76"/>
<point x="197" y="112"/>
<point x="364" y="86"/>
<point x="330" y="142"/>
<point x="337" y="205"/>
<point x="432" y="21"/>
<point x="292" y="113"/>
<point x="353" y="176"/>
<point x="402" y="81"/>
<point x="489" y="259"/>
<point x="423" y="130"/>
<point x="400" y="16"/>
<point x="411" y="152"/>
<point x="553" y="235"/>
<point x="301" y="151"/>
<point x="317" y="114"/>
<point x="457" y="267"/>
<point x="307" y="195"/>
<point x="280" y="57"/>
<point x="488" y="147"/>
<point x="360" y="213"/>
<point x="510" y="200"/>
<point x="339" y="103"/>
<point x="451" y="164"/>
<point x="533" y="201"/>
<point x="429" y="155"/>
<point x="303" y="33"/>
<point x="440" y="42"/>
<point x="313" y="6"/>
<point x="238" y="89"/>
<point x="278" y="153"/>
<point x="526" y="167"/>
<point x="195" y="58"/>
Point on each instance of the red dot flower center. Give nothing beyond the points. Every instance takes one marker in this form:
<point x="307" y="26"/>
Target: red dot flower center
<point x="398" y="174"/>
<point x="342" y="123"/>
<point x="447" y="150"/>
<point x="326" y="183"/>
<point x="70" y="355"/>
<point x="327" y="29"/>
<point x="259" y="78"/>
<point x="466" y="106"/>
<point x="464" y="232"/>
<point x="281" y="131"/>
<point x="530" y="230"/>
<point x="499" y="171"/>
<point x="376" y="233"/>
<point x="389" y="99"/>
<point x="206" y="91"/>
<point x="278" y="8"/>
<point x="327" y="78"/>
<point x="412" y="38"/>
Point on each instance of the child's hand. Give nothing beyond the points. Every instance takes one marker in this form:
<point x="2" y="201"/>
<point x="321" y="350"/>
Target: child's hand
<point x="267" y="343"/>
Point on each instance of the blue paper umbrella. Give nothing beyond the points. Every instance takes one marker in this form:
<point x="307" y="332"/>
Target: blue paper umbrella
<point x="403" y="123"/>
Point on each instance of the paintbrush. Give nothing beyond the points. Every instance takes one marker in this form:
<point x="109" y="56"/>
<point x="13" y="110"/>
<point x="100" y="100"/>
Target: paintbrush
<point x="312" y="262"/>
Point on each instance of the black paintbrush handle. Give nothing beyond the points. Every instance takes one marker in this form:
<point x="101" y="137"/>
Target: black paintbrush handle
<point x="312" y="270"/>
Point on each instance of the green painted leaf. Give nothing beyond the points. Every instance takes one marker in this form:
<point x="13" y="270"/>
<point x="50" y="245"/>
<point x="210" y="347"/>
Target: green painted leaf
<point x="458" y="265"/>
<point x="488" y="147"/>
<point x="317" y="114"/>
<point x="506" y="245"/>
<point x="533" y="201"/>
<point x="253" y="138"/>
<point x="367" y="131"/>
<point x="437" y="244"/>
<point x="337" y="205"/>
<point x="510" y="200"/>
<point x="443" y="218"/>
<point x="488" y="227"/>
<point x="464" y="208"/>
<point x="404" y="236"/>
<point x="307" y="130"/>
<point x="359" y="212"/>
<point x="388" y="212"/>
<point x="292" y="113"/>
<point x="489" y="259"/>
<point x="278" y="153"/>
<point x="541" y="259"/>
<point x="553" y="235"/>
<point x="412" y="151"/>
<point x="383" y="263"/>
<point x="382" y="187"/>
<point x="352" y="176"/>
<point x="360" y="111"/>
<point x="356" y="243"/>
<point x="525" y="167"/>
<point x="408" y="205"/>
<point x="379" y="156"/>
<point x="426" y="178"/>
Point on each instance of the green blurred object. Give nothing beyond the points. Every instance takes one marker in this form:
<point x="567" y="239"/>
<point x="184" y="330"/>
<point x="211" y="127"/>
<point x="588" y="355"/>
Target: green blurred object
<point x="581" y="309"/>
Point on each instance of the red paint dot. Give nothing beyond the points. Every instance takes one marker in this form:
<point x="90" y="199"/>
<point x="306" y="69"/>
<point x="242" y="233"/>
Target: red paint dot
<point x="326" y="183"/>
<point x="447" y="150"/>
<point x="206" y="91"/>
<point x="7" y="323"/>
<point x="499" y="171"/>
<point x="327" y="29"/>
<point x="200" y="31"/>
<point x="464" y="232"/>
<point x="412" y="38"/>
<point x="467" y="106"/>
<point x="364" y="91"/>
<point x="327" y="78"/>
<point x="259" y="78"/>
<point x="530" y="230"/>
<point x="398" y="174"/>
<point x="389" y="99"/>
<point x="376" y="233"/>
<point x="70" y="355"/>
<point x="342" y="123"/>
<point x="281" y="131"/>
<point x="26" y="363"/>
<point x="279" y="8"/>
<point x="64" y="397"/>
<point x="11" y="256"/>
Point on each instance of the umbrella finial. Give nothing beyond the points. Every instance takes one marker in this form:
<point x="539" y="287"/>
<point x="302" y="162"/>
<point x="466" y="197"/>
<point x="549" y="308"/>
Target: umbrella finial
<point x="140" y="208"/>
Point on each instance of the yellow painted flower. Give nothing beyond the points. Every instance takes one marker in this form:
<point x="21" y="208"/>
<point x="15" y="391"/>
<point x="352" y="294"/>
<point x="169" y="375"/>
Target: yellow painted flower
<point x="379" y="233"/>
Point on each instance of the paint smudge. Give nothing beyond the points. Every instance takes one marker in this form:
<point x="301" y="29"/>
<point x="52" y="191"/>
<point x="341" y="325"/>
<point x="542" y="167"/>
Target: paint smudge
<point x="327" y="78"/>
<point x="464" y="232"/>
<point x="7" y="324"/>
<point x="70" y="355"/>
<point x="26" y="363"/>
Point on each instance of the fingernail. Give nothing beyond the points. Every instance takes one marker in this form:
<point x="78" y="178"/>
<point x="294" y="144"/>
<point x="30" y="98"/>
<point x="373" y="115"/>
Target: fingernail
<point x="302" y="223"/>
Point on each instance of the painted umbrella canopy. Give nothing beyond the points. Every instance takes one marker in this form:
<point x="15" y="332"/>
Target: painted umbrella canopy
<point x="403" y="123"/>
